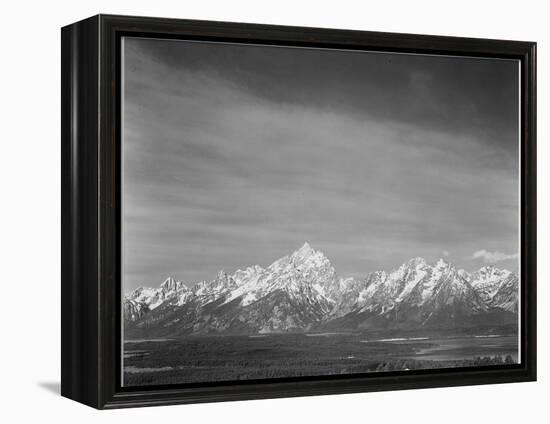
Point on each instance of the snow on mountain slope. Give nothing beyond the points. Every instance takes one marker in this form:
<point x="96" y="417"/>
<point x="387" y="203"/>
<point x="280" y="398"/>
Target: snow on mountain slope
<point x="291" y="294"/>
<point x="487" y="280"/>
<point x="302" y="291"/>
<point x="134" y="310"/>
<point x="498" y="288"/>
<point x="145" y="299"/>
<point x="415" y="294"/>
<point x="305" y="272"/>
<point x="206" y="292"/>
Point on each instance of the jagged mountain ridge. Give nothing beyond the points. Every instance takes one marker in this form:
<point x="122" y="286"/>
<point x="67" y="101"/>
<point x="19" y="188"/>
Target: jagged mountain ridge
<point x="302" y="292"/>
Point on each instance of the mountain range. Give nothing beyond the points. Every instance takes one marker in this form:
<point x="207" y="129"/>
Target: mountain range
<point x="302" y="292"/>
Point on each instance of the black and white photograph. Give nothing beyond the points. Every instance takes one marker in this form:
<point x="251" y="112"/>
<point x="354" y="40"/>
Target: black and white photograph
<point x="295" y="212"/>
<point x="300" y="212"/>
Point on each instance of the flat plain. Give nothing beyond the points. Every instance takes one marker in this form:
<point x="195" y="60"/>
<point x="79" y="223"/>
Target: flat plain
<point x="199" y="359"/>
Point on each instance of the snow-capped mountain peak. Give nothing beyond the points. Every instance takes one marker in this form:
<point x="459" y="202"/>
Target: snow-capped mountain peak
<point x="497" y="288"/>
<point x="151" y="298"/>
<point x="308" y="257"/>
<point x="302" y="290"/>
<point x="442" y="263"/>
<point x="241" y="276"/>
<point x="303" y="253"/>
<point x="170" y="284"/>
<point x="488" y="272"/>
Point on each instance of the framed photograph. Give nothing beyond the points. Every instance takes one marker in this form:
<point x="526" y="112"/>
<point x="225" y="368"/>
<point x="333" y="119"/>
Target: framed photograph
<point x="253" y="211"/>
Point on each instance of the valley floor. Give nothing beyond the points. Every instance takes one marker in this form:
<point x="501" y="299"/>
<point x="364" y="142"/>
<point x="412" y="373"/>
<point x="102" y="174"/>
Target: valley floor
<point x="198" y="359"/>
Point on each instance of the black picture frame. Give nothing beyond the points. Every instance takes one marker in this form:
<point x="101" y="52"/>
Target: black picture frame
<point x="91" y="193"/>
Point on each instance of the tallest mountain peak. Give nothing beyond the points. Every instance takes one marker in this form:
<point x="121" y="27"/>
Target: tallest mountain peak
<point x="305" y="251"/>
<point x="310" y="257"/>
<point x="306" y="247"/>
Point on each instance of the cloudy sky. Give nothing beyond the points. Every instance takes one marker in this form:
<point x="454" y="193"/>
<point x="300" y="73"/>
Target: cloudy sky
<point x="236" y="155"/>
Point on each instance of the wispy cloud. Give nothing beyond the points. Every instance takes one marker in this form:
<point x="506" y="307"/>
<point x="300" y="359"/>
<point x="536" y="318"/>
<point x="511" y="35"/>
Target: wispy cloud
<point x="491" y="257"/>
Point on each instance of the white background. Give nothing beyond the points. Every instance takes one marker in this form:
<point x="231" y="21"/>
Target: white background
<point x="30" y="212"/>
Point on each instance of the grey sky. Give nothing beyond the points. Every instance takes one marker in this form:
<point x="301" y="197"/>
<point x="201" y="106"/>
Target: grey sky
<point x="236" y="155"/>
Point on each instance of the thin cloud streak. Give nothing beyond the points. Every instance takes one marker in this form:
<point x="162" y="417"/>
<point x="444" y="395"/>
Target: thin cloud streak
<point x="493" y="257"/>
